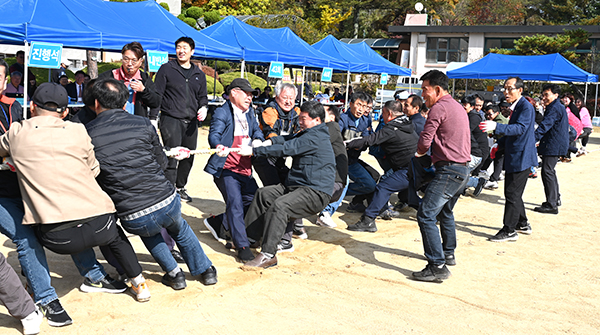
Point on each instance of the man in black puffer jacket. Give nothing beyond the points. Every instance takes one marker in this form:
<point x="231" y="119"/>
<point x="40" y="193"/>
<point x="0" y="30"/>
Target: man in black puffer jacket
<point x="132" y="164"/>
<point x="398" y="140"/>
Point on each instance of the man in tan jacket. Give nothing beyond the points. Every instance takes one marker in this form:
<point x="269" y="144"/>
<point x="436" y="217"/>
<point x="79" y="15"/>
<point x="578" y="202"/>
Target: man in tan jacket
<point x="56" y="168"/>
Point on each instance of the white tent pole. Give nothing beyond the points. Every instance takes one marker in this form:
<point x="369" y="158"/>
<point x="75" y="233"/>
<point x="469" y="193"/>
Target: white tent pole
<point x="25" y="80"/>
<point x="596" y="100"/>
<point x="466" y="86"/>
<point x="347" y="86"/>
<point x="585" y="96"/>
<point x="242" y="70"/>
<point x="215" y="82"/>
<point x="453" y="84"/>
<point x="302" y="87"/>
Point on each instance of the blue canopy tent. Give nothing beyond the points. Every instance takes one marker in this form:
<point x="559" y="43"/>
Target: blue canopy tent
<point x="261" y="45"/>
<point x="553" y="67"/>
<point x="101" y="25"/>
<point x="372" y="57"/>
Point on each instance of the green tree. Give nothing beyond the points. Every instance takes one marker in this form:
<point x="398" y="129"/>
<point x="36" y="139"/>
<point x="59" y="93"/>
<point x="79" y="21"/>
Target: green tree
<point x="542" y="45"/>
<point x="300" y="27"/>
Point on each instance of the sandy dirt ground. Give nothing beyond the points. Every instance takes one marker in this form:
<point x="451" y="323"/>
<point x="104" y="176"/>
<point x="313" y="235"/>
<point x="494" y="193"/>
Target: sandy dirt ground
<point x="342" y="282"/>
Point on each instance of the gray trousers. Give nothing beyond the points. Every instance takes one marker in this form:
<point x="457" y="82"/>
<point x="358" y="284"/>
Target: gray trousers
<point x="12" y="293"/>
<point x="273" y="207"/>
<point x="550" y="180"/>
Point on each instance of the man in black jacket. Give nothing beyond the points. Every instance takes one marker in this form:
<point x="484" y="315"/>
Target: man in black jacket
<point x="399" y="142"/>
<point x="132" y="163"/>
<point x="308" y="188"/>
<point x="181" y="86"/>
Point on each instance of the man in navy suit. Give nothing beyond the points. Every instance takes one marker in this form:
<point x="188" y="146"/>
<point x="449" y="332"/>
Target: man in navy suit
<point x="519" y="156"/>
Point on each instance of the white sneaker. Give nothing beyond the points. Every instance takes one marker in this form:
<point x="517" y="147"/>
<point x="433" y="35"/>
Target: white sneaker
<point x="501" y="177"/>
<point x="483" y="174"/>
<point x="31" y="323"/>
<point x="491" y="185"/>
<point x="325" y="220"/>
<point x="141" y="291"/>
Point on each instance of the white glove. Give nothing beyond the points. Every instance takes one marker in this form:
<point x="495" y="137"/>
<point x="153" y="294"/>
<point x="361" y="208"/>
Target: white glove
<point x="202" y="113"/>
<point x="222" y="151"/>
<point x="258" y="143"/>
<point x="246" y="150"/>
<point x="155" y="124"/>
<point x="180" y="153"/>
<point x="417" y="154"/>
<point x="486" y="126"/>
<point x="9" y="162"/>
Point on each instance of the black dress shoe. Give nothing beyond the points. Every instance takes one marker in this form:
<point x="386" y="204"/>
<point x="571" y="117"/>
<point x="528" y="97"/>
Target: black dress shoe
<point x="209" y="277"/>
<point x="245" y="255"/>
<point x="178" y="257"/>
<point x="546" y="209"/>
<point x="262" y="261"/>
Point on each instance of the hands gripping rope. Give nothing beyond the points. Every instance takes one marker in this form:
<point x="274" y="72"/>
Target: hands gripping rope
<point x="180" y="153"/>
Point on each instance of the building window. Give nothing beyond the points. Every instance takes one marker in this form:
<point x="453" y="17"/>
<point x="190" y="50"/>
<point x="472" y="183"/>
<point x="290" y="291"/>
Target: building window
<point x="447" y="49"/>
<point x="590" y="47"/>
<point x="498" y="43"/>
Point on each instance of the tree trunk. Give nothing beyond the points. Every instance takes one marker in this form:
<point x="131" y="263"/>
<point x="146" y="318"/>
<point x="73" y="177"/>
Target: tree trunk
<point x="92" y="64"/>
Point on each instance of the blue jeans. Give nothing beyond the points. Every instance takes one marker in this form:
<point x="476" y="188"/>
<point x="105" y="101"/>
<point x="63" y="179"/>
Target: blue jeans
<point x="439" y="200"/>
<point x="332" y="207"/>
<point x="32" y="256"/>
<point x="393" y="182"/>
<point x="473" y="181"/>
<point x="363" y="182"/>
<point x="148" y="228"/>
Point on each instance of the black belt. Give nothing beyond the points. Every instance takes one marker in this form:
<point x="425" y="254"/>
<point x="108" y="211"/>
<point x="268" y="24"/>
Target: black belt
<point x="440" y="164"/>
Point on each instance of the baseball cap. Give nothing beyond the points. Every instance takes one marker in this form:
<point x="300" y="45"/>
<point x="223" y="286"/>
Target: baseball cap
<point x="242" y="84"/>
<point x="402" y="95"/>
<point x="51" y="93"/>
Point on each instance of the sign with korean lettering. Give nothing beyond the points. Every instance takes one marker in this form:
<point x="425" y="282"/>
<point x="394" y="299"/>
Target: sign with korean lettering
<point x="326" y="74"/>
<point x="298" y="79"/>
<point x="156" y="59"/>
<point x="45" y="55"/>
<point x="384" y="78"/>
<point x="276" y="70"/>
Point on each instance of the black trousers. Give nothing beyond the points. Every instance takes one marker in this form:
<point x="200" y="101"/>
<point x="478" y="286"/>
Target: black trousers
<point x="274" y="206"/>
<point x="514" y="209"/>
<point x="175" y="133"/>
<point x="550" y="180"/>
<point x="101" y="231"/>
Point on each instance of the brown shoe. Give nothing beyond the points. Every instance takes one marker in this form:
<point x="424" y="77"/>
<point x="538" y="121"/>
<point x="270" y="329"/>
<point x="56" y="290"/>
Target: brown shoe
<point x="262" y="261"/>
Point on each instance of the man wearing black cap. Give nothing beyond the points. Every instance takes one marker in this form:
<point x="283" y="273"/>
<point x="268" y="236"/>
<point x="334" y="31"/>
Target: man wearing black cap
<point x="232" y="172"/>
<point x="56" y="168"/>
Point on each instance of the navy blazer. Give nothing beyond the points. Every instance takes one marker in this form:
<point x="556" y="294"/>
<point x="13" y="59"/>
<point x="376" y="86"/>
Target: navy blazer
<point x="553" y="131"/>
<point x="221" y="132"/>
<point x="518" y="138"/>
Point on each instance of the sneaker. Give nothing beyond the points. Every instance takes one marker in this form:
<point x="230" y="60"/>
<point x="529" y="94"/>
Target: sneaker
<point x="183" y="194"/>
<point x="209" y="277"/>
<point x="389" y="214"/>
<point x="533" y="175"/>
<point x="491" y="185"/>
<point x="106" y="285"/>
<point x="546" y="208"/>
<point x="366" y="224"/>
<point x="214" y="224"/>
<point x="524" y="229"/>
<point x="479" y="187"/>
<point x="285" y="246"/>
<point x="176" y="283"/>
<point x="31" y="323"/>
<point x="433" y="273"/>
<point x="55" y="313"/>
<point x="483" y="174"/>
<point x="581" y="152"/>
<point x="177" y="256"/>
<point x="501" y="176"/>
<point x="503" y="236"/>
<point x="450" y="260"/>
<point x="300" y="233"/>
<point x="141" y="291"/>
<point x="356" y="208"/>
<point x="325" y="220"/>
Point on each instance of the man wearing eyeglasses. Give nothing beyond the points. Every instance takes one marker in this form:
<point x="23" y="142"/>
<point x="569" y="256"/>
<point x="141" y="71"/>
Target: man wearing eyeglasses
<point x="142" y="94"/>
<point x="520" y="155"/>
<point x="233" y="125"/>
<point x="181" y="86"/>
